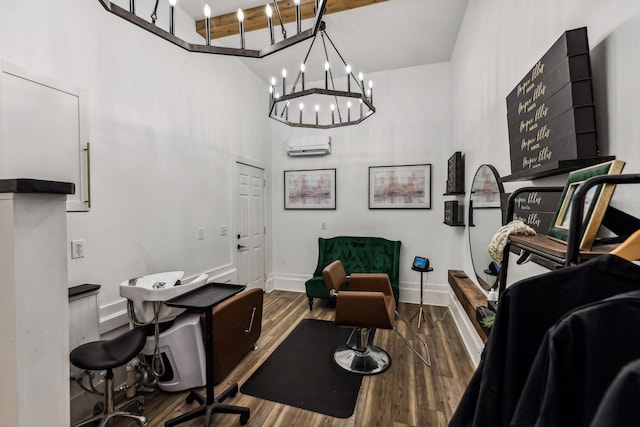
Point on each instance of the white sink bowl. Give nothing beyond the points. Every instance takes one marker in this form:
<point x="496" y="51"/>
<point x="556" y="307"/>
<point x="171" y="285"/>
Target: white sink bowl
<point x="148" y="292"/>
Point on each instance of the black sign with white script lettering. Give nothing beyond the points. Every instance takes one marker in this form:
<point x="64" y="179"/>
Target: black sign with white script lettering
<point x="550" y="113"/>
<point x="536" y="209"/>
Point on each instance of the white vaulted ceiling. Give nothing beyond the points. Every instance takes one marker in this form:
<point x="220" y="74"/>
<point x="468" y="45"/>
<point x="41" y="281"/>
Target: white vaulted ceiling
<point x="387" y="35"/>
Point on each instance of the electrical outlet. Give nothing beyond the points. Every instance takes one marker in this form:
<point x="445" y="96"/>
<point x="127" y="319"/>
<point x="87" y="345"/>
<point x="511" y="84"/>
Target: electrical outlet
<point x="223" y="230"/>
<point x="77" y="248"/>
<point x="200" y="233"/>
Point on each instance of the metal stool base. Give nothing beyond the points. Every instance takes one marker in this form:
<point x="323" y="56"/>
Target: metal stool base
<point x="370" y="360"/>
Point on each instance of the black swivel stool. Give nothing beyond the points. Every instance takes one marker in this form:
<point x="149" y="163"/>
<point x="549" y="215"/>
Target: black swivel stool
<point x="106" y="355"/>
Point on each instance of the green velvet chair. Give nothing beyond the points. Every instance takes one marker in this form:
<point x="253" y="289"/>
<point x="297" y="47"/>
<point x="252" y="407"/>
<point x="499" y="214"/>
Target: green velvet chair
<point x="358" y="255"/>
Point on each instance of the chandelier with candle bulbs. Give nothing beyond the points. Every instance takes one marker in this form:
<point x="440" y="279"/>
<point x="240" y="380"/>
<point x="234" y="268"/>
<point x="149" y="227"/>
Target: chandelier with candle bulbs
<point x="340" y="99"/>
<point x="169" y="32"/>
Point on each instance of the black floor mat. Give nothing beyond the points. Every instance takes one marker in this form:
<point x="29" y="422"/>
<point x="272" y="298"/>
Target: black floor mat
<point x="301" y="373"/>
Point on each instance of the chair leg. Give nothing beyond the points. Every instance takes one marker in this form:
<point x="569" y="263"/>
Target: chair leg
<point x="141" y="419"/>
<point x="361" y="337"/>
<point x="426" y="346"/>
<point x="139" y="399"/>
<point x="89" y="421"/>
<point x="310" y="303"/>
<point x="359" y="356"/>
<point x="111" y="412"/>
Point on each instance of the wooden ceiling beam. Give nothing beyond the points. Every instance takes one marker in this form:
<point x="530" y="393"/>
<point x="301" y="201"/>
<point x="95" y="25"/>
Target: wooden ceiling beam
<point x="256" y="18"/>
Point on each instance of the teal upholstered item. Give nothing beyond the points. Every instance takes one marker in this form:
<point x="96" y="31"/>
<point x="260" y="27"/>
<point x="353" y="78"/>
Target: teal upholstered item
<point x="358" y="255"/>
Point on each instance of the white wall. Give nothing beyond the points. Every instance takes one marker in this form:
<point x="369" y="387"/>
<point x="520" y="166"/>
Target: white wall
<point x="426" y="113"/>
<point x="501" y="40"/>
<point x="410" y="126"/>
<point x="165" y="125"/>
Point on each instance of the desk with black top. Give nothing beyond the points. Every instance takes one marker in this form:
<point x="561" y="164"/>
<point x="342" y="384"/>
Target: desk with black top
<point x="202" y="300"/>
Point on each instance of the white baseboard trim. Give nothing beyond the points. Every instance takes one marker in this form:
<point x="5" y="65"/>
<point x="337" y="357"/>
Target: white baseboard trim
<point x="434" y="294"/>
<point x="114" y="315"/>
<point x="289" y="282"/>
<point x="468" y="333"/>
<point x="269" y="284"/>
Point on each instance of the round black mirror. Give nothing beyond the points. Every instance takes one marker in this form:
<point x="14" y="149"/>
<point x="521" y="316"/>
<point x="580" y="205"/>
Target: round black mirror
<point x="485" y="218"/>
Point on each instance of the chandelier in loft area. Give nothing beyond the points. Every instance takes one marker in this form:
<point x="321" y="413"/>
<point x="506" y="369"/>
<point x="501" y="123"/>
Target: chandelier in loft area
<point x="325" y="107"/>
<point x="348" y="103"/>
<point x="168" y="34"/>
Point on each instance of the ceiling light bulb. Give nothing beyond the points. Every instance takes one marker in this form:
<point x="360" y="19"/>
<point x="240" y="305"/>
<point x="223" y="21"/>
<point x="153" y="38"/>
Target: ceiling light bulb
<point x="370" y="84"/>
<point x="273" y="81"/>
<point x="333" y="107"/>
<point x="269" y="11"/>
<point x="297" y="2"/>
<point x="360" y="76"/>
<point x="317" y="108"/>
<point x="278" y="96"/>
<point x="240" y="15"/>
<point x="302" y="68"/>
<point x="284" y="72"/>
<point x="301" y="106"/>
<point x="349" y="104"/>
<point x="207" y="11"/>
<point x="172" y="3"/>
<point x="348" y="69"/>
<point x="270" y="89"/>
<point x="326" y="66"/>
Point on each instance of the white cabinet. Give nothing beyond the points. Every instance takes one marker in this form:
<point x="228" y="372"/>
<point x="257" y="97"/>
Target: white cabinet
<point x="44" y="132"/>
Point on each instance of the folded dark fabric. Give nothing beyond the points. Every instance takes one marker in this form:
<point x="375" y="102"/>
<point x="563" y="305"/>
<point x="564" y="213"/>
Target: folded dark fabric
<point x="619" y="406"/>
<point x="578" y="360"/>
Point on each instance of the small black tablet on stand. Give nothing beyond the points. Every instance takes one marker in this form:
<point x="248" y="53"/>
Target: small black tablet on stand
<point x="421" y="264"/>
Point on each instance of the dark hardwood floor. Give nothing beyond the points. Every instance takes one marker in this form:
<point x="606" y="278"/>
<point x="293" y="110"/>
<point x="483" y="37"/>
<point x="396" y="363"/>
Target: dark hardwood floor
<point x="408" y="394"/>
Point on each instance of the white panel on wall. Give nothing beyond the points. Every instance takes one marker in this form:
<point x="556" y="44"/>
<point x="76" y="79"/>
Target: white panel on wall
<point x="43" y="131"/>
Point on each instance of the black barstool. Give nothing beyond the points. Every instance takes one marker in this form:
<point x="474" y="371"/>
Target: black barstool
<point x="106" y="355"/>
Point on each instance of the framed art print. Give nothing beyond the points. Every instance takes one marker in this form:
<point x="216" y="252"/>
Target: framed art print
<point x="310" y="189"/>
<point x="595" y="203"/>
<point x="400" y="187"/>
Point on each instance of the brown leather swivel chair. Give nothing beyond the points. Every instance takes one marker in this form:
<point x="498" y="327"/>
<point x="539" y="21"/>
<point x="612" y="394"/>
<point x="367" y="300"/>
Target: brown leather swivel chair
<point x="368" y="305"/>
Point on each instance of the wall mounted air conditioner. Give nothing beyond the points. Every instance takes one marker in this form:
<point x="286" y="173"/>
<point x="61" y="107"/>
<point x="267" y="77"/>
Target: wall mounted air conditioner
<point x="318" y="145"/>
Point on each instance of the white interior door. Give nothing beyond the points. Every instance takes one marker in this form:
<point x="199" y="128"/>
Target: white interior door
<point x="249" y="233"/>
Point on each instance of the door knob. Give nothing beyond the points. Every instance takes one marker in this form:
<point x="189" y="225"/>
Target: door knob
<point x="241" y="247"/>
